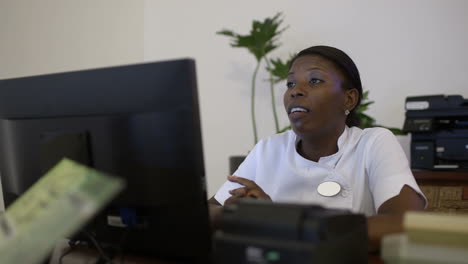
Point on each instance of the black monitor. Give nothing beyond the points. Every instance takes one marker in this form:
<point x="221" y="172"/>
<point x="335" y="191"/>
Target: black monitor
<point x="140" y="122"/>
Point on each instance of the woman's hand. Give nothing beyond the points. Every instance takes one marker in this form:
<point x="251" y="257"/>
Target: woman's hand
<point x="250" y="190"/>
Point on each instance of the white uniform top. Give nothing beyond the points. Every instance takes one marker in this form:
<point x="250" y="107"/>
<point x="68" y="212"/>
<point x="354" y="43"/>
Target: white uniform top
<point x="370" y="166"/>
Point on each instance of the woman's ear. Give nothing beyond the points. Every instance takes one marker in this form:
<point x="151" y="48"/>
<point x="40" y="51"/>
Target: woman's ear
<point x="351" y="99"/>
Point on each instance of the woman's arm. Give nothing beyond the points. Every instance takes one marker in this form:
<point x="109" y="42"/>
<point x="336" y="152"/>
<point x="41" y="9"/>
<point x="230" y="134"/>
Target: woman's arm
<point x="249" y="190"/>
<point x="390" y="216"/>
<point x="389" y="219"/>
<point x="216" y="213"/>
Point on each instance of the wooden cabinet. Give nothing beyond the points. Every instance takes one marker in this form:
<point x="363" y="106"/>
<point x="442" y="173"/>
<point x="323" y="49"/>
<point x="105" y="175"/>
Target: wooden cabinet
<point x="446" y="191"/>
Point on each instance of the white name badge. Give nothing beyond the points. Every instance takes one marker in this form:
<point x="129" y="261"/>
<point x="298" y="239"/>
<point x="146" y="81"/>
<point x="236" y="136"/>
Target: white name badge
<point x="329" y="188"/>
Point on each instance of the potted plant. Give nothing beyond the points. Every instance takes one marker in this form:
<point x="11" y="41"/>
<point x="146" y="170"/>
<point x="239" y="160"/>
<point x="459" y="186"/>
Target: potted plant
<point x="260" y="42"/>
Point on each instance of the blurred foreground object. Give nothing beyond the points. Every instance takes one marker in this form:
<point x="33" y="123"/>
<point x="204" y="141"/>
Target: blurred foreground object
<point x="428" y="238"/>
<point x="256" y="231"/>
<point x="56" y="206"/>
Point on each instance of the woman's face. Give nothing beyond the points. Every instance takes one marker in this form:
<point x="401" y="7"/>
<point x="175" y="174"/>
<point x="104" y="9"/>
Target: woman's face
<point x="314" y="99"/>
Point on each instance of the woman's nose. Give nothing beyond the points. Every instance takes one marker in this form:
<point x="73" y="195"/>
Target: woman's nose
<point x="297" y="91"/>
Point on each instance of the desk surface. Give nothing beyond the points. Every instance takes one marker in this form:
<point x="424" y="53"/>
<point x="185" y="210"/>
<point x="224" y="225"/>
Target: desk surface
<point x="88" y="256"/>
<point x="83" y="255"/>
<point x="424" y="175"/>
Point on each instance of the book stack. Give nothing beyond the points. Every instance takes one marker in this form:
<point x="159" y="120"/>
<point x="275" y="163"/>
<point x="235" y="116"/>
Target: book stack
<point x="429" y="238"/>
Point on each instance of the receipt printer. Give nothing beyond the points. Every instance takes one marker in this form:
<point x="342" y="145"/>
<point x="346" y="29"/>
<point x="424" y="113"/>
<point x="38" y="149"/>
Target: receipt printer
<point x="439" y="131"/>
<point x="255" y="232"/>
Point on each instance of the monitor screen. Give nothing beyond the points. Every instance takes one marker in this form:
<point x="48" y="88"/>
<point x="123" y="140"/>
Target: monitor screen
<point x="140" y="122"/>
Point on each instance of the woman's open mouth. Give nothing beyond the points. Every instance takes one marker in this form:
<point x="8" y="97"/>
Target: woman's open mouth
<point x="297" y="111"/>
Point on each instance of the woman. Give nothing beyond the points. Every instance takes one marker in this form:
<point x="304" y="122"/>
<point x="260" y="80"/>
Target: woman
<point x="370" y="168"/>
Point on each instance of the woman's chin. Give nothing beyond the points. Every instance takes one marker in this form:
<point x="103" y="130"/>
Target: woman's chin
<point x="301" y="128"/>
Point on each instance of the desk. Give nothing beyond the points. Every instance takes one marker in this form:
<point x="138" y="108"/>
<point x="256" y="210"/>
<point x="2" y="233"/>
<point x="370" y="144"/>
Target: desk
<point x="83" y="255"/>
<point x="89" y="256"/>
<point x="446" y="191"/>
<point x="375" y="259"/>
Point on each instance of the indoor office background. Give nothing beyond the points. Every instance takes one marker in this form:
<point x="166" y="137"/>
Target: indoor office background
<point x="401" y="47"/>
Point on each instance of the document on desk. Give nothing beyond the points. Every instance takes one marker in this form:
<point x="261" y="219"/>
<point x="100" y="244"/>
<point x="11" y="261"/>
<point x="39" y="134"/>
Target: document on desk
<point x="56" y="206"/>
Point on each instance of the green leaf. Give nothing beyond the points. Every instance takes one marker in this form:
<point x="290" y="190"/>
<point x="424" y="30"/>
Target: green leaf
<point x="226" y="32"/>
<point x="284" y="129"/>
<point x="365" y="95"/>
<point x="366" y="104"/>
<point x="279" y="69"/>
<point x="262" y="39"/>
<point x="366" y="121"/>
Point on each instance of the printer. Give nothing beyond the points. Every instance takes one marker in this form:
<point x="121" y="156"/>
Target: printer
<point x="439" y="131"/>
<point x="262" y="232"/>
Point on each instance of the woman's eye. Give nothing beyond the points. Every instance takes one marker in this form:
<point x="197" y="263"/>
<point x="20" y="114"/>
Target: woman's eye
<point x="315" y="81"/>
<point x="290" y="84"/>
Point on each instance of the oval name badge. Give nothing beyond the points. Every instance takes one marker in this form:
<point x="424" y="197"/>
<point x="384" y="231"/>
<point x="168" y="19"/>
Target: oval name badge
<point x="329" y="188"/>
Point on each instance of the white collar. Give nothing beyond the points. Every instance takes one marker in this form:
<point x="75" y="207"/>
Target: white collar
<point x="330" y="160"/>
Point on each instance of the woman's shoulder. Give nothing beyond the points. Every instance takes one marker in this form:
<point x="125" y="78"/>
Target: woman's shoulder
<point x="368" y="136"/>
<point x="280" y="140"/>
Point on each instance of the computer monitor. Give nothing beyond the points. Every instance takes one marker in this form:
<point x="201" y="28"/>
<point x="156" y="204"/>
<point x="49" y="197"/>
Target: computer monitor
<point x="140" y="122"/>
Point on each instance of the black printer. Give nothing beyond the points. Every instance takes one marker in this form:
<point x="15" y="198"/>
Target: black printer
<point x="261" y="232"/>
<point x="439" y="131"/>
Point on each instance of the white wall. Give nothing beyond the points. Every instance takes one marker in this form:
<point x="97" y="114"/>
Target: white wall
<point x="47" y="36"/>
<point x="61" y="35"/>
<point x="402" y="48"/>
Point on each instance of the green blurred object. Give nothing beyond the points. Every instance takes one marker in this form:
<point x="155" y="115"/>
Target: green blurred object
<point x="368" y="121"/>
<point x="279" y="71"/>
<point x="262" y="39"/>
<point x="56" y="206"/>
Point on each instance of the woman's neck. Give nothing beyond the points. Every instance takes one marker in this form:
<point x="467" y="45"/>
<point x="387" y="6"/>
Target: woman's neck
<point x="313" y="147"/>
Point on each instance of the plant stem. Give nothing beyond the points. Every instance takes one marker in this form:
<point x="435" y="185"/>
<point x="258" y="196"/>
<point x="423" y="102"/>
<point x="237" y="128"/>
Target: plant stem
<point x="272" y="91"/>
<point x="252" y="103"/>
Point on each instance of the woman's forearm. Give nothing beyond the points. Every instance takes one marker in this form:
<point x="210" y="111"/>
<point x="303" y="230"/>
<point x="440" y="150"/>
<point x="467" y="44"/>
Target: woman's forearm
<point x="380" y="225"/>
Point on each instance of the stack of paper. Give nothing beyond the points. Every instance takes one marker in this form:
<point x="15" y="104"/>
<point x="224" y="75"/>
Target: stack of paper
<point x="56" y="206"/>
<point x="430" y="238"/>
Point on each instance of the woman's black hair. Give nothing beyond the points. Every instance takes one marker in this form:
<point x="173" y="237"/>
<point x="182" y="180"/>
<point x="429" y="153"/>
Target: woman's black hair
<point x="346" y="65"/>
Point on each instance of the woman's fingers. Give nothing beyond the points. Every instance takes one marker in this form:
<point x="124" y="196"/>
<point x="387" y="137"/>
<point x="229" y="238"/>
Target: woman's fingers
<point x="239" y="192"/>
<point x="258" y="193"/>
<point x="232" y="200"/>
<point x="250" y="189"/>
<point x="242" y="181"/>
